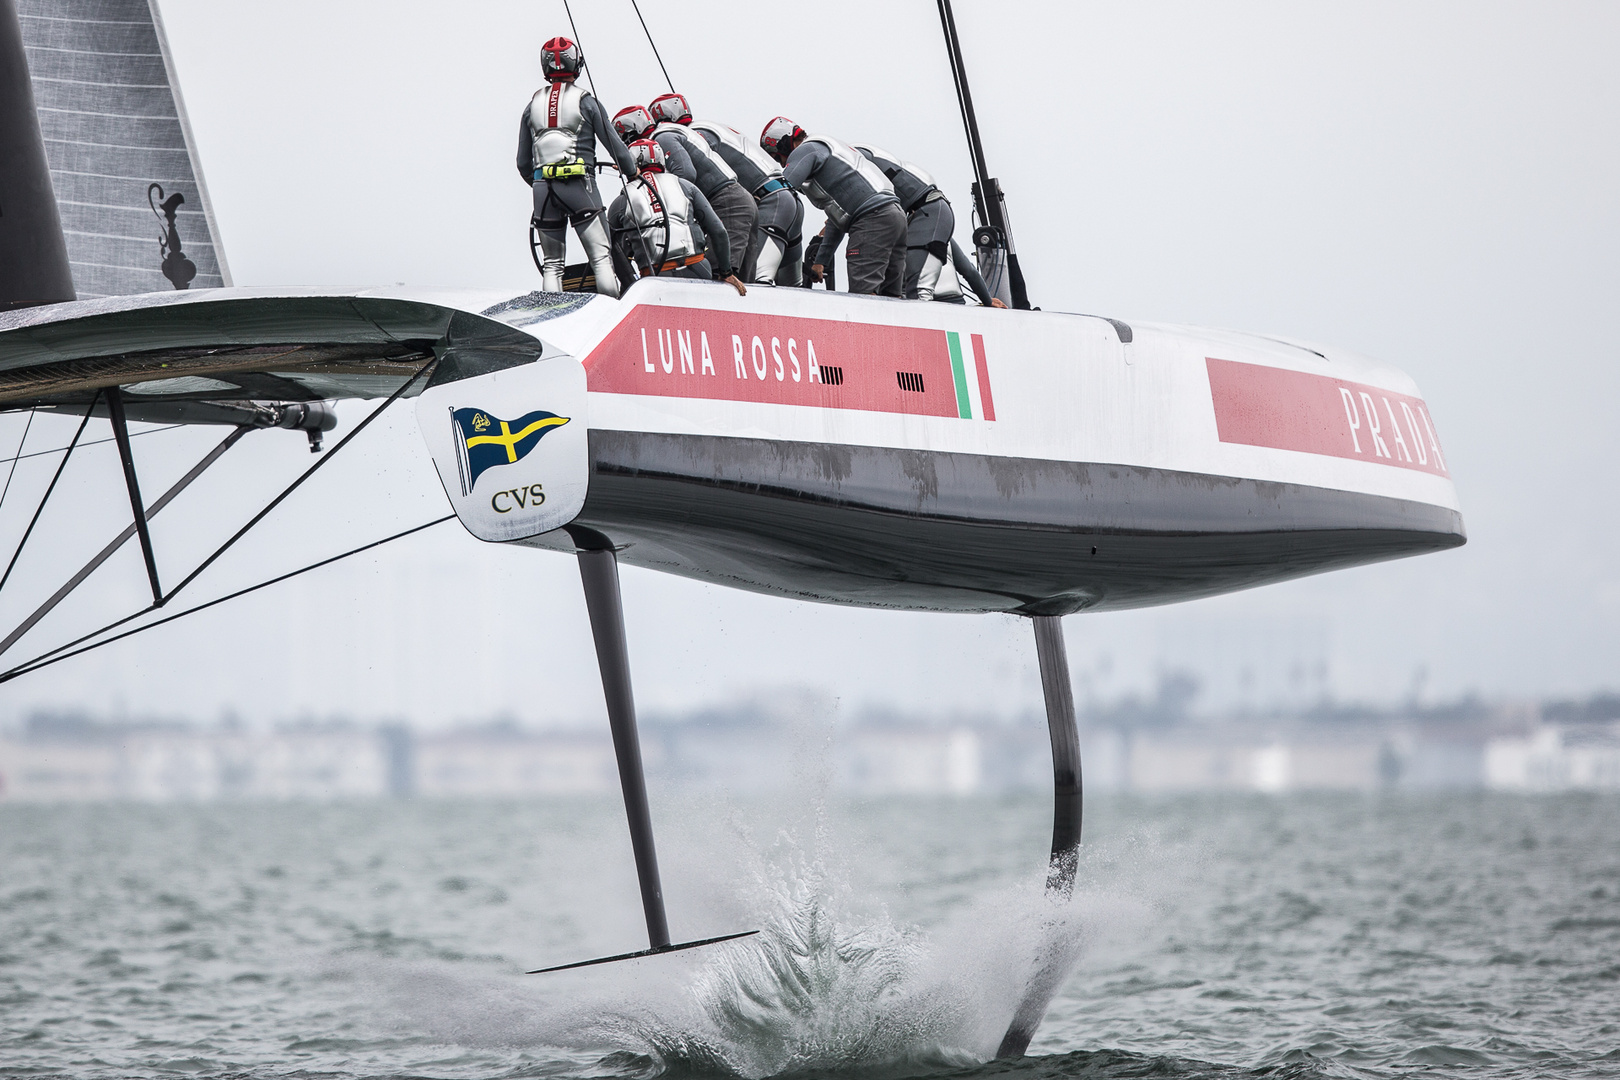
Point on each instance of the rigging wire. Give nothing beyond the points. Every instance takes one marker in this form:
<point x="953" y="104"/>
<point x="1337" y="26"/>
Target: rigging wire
<point x="92" y="442"/>
<point x="47" y="659"/>
<point x="305" y="475"/>
<point x="654" y="45"/>
<point x="575" y="31"/>
<point x="624" y="184"/>
<point x="18" y="456"/>
<point x="47" y="497"/>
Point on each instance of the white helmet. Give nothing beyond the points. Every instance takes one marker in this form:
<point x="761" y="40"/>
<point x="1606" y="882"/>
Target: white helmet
<point x="671" y="109"/>
<point x="649" y="156"/>
<point x="777" y="138"/>
<point x="633" y="123"/>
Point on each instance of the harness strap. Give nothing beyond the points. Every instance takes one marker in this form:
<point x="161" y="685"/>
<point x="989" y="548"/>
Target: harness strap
<point x="676" y="264"/>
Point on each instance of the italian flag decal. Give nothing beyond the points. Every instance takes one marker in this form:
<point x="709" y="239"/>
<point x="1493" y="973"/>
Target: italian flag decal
<point x="972" y="380"/>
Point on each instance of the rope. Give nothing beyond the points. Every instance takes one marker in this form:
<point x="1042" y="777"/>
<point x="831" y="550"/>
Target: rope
<point x="47" y="659"/>
<point x="47" y="498"/>
<point x="305" y="475"/>
<point x="654" y="45"/>
<point x="18" y="457"/>
<point x="92" y="442"/>
<point x="575" y="31"/>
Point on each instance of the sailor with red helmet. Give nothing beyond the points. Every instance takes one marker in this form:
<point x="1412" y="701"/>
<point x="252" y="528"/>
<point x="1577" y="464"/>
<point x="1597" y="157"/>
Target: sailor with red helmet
<point x="664" y="225"/>
<point x="858" y="199"/>
<point x="557" y="154"/>
<point x="710" y="171"/>
<point x="776" y="248"/>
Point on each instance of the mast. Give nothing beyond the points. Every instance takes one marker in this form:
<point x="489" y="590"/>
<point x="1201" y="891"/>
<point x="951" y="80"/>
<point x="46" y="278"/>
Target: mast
<point x="33" y="252"/>
<point x="998" y="257"/>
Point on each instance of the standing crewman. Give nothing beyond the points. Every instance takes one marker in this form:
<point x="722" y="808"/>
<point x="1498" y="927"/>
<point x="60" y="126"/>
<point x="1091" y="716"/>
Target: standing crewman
<point x="776" y="248"/>
<point x="857" y="198"/>
<point x="557" y="154"/>
<point x="708" y="170"/>
<point x="930" y="224"/>
<point x="665" y="226"/>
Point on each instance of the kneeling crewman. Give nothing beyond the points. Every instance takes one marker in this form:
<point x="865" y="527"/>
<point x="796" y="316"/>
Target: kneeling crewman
<point x="665" y="226"/>
<point x="557" y="155"/>
<point x="702" y="166"/>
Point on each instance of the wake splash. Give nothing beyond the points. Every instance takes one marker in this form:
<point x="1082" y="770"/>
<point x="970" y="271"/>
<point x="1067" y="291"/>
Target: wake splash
<point x="824" y="987"/>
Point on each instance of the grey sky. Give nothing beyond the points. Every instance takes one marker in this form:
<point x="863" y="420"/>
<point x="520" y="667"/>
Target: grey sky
<point x="1433" y="185"/>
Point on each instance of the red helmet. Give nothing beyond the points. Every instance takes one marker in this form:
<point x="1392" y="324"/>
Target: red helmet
<point x="633" y="123"/>
<point x="648" y="156"/>
<point x="777" y="138"/>
<point x="561" y="60"/>
<point x="671" y="109"/>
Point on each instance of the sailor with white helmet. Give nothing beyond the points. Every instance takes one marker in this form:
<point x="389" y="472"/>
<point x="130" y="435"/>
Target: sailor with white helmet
<point x="634" y="123"/>
<point x="691" y="158"/>
<point x="557" y="155"/>
<point x="858" y="199"/>
<point x="776" y="248"/>
<point x="665" y="226"/>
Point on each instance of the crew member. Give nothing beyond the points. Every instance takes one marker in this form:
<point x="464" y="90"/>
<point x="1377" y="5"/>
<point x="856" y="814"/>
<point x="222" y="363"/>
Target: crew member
<point x="557" y="154"/>
<point x="949" y="288"/>
<point x="664" y="225"/>
<point x="703" y="167"/>
<point x="930" y="222"/>
<point x="858" y="199"/>
<point x="775" y="250"/>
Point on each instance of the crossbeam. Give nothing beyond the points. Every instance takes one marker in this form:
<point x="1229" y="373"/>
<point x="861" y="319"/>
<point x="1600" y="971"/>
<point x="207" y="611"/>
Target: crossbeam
<point x="120" y="426"/>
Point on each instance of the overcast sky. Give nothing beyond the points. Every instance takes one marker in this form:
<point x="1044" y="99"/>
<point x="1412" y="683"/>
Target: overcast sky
<point x="1430" y="184"/>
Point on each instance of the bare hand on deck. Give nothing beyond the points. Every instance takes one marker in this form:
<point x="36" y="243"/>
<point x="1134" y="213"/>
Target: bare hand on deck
<point x="731" y="279"/>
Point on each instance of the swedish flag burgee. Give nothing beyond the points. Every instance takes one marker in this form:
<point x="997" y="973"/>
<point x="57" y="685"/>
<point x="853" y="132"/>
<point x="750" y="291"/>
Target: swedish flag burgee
<point x="485" y="440"/>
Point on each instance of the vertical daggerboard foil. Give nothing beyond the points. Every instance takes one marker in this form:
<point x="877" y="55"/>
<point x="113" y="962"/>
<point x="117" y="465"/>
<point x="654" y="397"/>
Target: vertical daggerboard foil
<point x="120" y="148"/>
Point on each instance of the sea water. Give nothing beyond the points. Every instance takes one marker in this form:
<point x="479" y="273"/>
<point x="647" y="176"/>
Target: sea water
<point x="1286" y="935"/>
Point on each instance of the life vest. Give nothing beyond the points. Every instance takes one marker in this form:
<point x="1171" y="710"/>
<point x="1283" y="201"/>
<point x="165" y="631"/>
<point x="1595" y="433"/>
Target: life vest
<point x="555" y="123"/>
<point x="912" y="185"/>
<point x="844" y="183"/>
<point x="662" y="214"/>
<point x="753" y="167"/>
<point x="712" y="171"/>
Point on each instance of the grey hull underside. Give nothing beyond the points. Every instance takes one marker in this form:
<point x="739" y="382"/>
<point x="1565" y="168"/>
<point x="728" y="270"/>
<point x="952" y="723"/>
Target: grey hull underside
<point x="880" y="527"/>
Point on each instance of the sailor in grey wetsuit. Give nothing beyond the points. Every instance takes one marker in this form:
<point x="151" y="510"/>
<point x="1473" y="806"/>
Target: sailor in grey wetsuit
<point x="776" y="248"/>
<point x="930" y="221"/>
<point x="557" y="154"/>
<point x="858" y="199"/>
<point x="709" y="171"/>
<point x="665" y="226"/>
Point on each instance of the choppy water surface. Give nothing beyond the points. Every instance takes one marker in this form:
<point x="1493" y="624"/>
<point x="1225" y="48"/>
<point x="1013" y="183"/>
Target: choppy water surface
<point x="1216" y="936"/>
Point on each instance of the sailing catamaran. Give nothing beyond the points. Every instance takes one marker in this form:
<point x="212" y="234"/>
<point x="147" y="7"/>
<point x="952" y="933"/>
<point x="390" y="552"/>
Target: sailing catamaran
<point x="807" y="444"/>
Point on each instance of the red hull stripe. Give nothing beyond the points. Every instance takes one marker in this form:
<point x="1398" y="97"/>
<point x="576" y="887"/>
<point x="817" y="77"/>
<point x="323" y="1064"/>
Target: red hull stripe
<point x="1318" y="414"/>
<point x="984" y="378"/>
<point x="732" y="356"/>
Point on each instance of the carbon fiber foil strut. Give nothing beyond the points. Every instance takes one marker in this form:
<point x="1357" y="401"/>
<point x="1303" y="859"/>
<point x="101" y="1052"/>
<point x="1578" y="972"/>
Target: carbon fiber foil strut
<point x="1058" y="690"/>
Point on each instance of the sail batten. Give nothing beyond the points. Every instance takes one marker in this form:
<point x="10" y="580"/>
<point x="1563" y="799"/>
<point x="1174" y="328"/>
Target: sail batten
<point x="114" y="124"/>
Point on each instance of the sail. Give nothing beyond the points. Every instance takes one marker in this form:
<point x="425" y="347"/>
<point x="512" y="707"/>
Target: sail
<point x="129" y="188"/>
